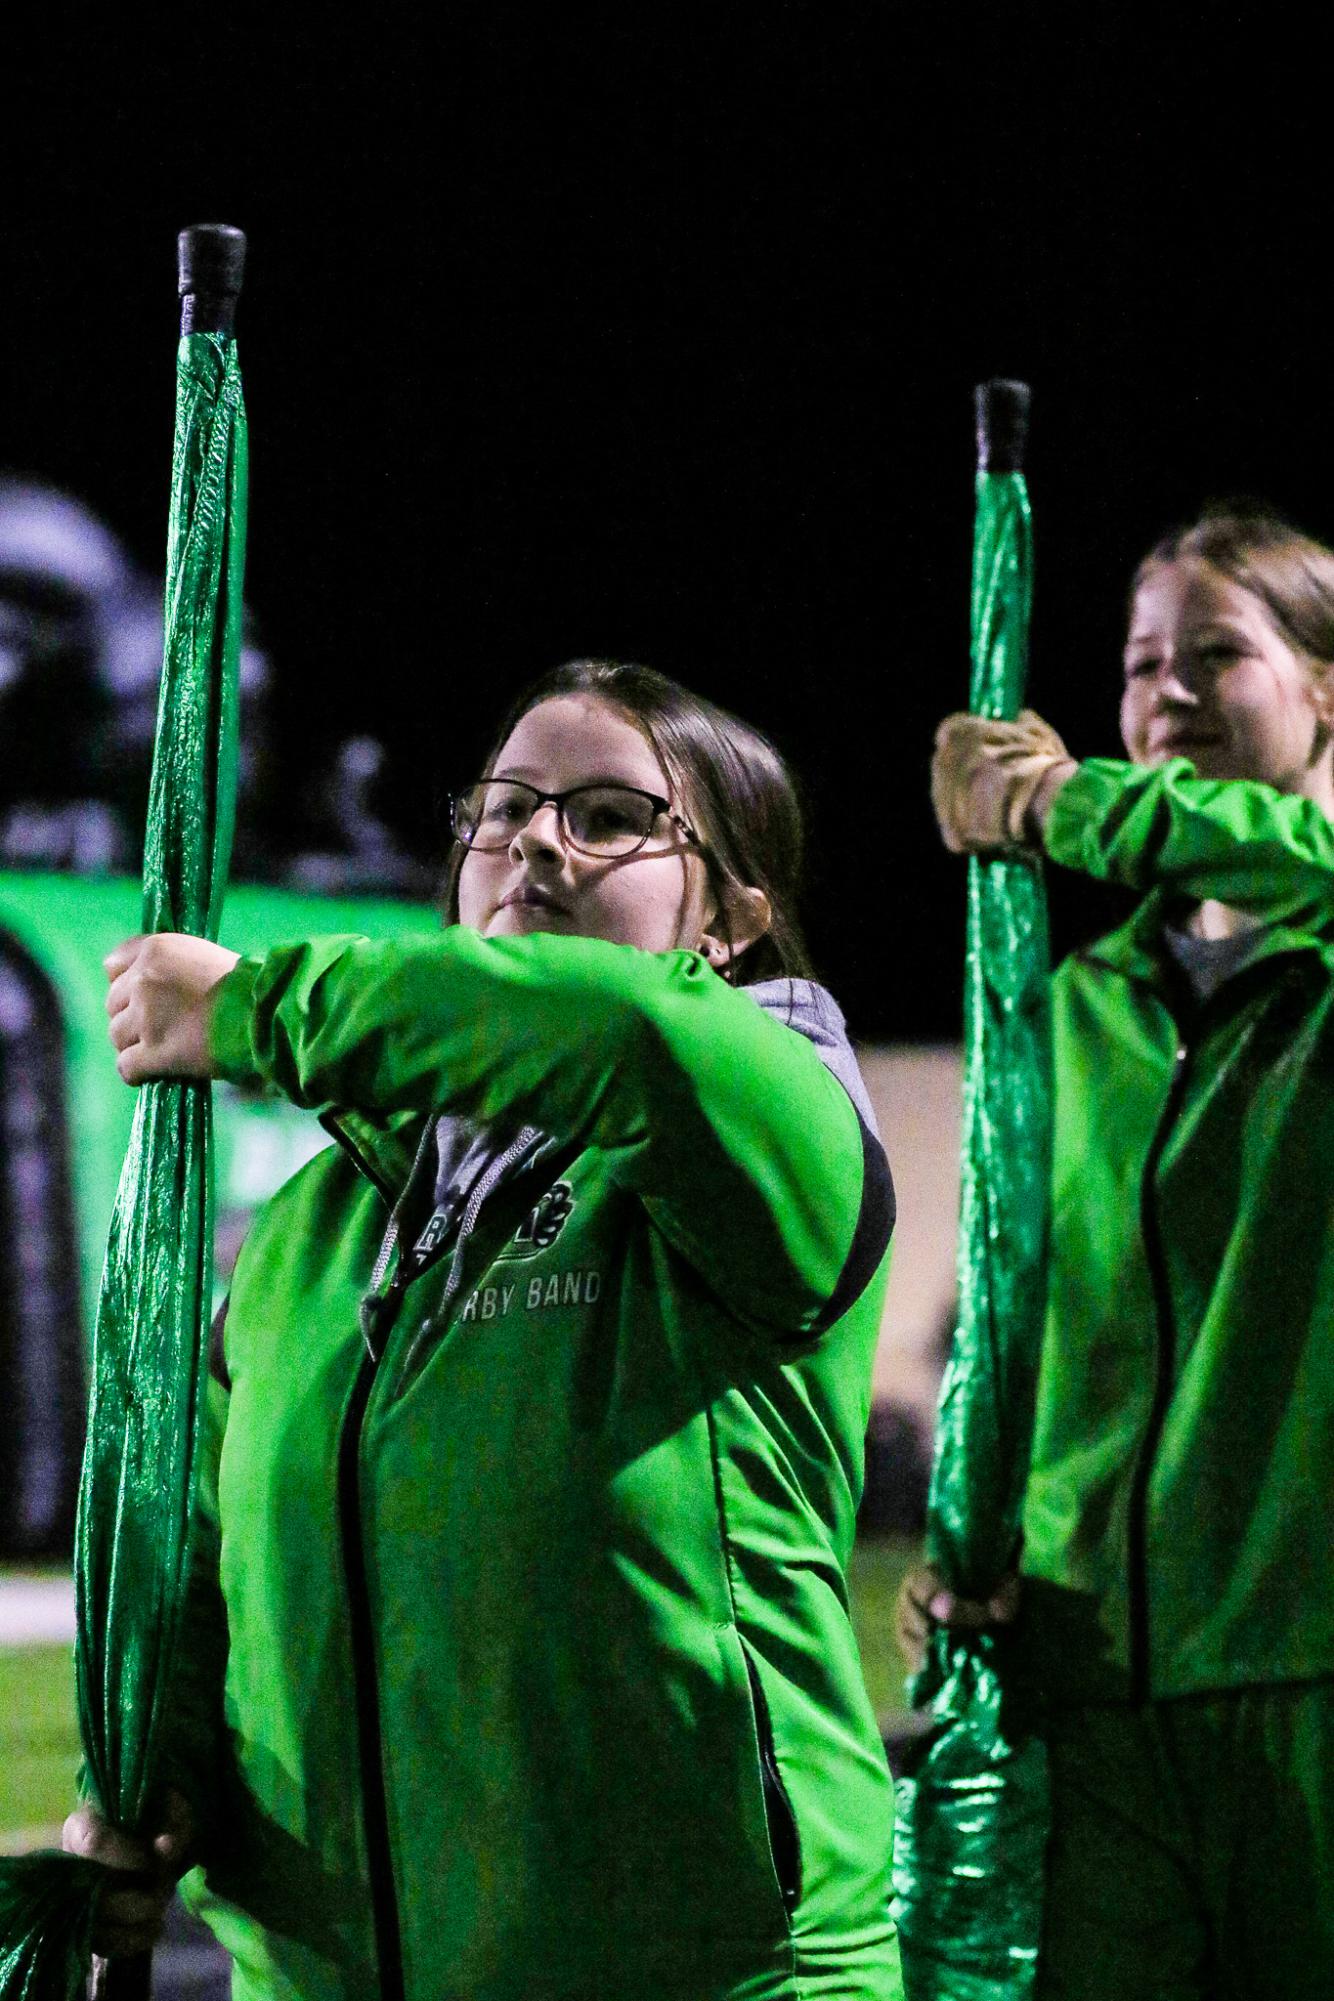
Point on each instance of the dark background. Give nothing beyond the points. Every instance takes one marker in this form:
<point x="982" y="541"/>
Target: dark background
<point x="652" y="332"/>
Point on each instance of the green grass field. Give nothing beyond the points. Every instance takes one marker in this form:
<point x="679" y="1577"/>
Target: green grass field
<point x="39" y="1742"/>
<point x="878" y="1565"/>
<point x="39" y="1739"/>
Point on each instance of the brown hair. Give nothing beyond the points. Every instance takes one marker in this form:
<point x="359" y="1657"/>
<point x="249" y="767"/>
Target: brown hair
<point x="1291" y="575"/>
<point x="734" y="787"/>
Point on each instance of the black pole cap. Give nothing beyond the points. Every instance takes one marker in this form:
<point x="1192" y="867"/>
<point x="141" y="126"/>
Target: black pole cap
<point x="210" y="264"/>
<point x="1002" y="424"/>
<point x="210" y="257"/>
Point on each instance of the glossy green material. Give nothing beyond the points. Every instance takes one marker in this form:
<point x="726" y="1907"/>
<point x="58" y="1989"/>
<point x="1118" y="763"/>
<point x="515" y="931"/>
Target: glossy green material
<point x="972" y="1809"/>
<point x="45" y="1908"/>
<point x="143" y="1422"/>
<point x="156" y="1287"/>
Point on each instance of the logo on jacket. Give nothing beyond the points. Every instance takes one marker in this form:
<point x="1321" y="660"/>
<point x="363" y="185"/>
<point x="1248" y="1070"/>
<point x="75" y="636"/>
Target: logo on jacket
<point x="541" y="1227"/>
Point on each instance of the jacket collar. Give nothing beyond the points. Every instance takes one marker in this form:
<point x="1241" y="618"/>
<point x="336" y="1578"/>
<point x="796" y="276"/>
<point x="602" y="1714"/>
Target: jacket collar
<point x="384" y="1150"/>
<point x="1138" y="950"/>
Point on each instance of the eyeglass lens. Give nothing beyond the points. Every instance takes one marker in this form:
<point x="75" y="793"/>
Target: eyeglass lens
<point x="596" y="819"/>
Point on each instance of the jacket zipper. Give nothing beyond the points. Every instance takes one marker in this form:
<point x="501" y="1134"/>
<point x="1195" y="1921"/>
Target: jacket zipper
<point x="377" y="1313"/>
<point x="1137" y="1577"/>
<point x="1137" y="1516"/>
<point x="365" y="1677"/>
<point x="376" y="1316"/>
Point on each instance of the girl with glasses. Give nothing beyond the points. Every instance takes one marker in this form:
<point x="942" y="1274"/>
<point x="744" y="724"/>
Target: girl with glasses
<point x="1173" y="1588"/>
<point x="524" y="1668"/>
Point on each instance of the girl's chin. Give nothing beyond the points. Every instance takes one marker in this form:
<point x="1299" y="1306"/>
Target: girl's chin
<point x="528" y="920"/>
<point x="1210" y="760"/>
<point x="519" y="920"/>
<point x="1223" y="762"/>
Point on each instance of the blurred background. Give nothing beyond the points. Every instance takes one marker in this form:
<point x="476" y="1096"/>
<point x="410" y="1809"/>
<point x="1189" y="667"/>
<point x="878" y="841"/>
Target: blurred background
<point x="641" y="332"/>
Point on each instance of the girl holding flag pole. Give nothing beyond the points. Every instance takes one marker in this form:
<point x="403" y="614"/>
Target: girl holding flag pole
<point x="1171" y="1590"/>
<point x="539" y="1458"/>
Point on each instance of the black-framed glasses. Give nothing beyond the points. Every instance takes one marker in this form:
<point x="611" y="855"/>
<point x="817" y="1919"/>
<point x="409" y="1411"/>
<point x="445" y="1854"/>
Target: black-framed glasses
<point x="604" y="821"/>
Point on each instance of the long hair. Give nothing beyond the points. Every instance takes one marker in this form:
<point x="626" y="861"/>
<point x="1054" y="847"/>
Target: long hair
<point x="733" y="785"/>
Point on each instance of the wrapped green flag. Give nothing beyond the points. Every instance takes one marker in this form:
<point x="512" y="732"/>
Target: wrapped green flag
<point x="973" y="1806"/>
<point x="152" y="1318"/>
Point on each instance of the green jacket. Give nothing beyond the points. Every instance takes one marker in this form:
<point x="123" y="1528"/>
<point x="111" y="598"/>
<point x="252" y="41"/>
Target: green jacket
<point x="539" y="1678"/>
<point x="1178" y="1516"/>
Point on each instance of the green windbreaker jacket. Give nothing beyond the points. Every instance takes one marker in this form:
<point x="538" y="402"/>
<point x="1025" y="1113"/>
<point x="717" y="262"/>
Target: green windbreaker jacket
<point x="539" y="1678"/>
<point x="1178" y="1517"/>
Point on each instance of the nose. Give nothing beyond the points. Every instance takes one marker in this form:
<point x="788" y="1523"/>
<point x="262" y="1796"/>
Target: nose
<point x="1174" y="682"/>
<point x="540" y="836"/>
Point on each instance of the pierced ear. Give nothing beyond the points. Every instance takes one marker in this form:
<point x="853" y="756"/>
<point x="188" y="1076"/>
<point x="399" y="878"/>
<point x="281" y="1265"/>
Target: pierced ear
<point x="747" y="915"/>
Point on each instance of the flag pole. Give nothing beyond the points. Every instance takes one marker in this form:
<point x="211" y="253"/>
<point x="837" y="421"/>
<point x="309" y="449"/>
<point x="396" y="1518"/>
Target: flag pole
<point x="210" y="268"/>
<point x="972" y="1800"/>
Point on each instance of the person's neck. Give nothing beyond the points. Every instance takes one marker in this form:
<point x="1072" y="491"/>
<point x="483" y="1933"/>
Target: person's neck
<point x="1215" y="920"/>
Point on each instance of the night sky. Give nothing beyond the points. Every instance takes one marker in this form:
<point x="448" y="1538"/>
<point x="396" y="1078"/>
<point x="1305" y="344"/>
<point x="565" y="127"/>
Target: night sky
<point x="655" y="336"/>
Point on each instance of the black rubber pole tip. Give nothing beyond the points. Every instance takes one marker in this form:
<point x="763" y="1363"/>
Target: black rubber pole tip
<point x="210" y="258"/>
<point x="1002" y="424"/>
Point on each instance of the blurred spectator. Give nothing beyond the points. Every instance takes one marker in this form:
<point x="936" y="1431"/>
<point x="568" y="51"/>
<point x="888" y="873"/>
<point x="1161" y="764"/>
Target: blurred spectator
<point x="80" y="659"/>
<point x="353" y="851"/>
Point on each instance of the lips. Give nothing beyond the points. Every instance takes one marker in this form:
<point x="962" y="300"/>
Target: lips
<point x="531" y="896"/>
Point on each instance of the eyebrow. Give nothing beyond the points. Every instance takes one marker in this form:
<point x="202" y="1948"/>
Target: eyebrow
<point x="525" y="774"/>
<point x="1211" y="628"/>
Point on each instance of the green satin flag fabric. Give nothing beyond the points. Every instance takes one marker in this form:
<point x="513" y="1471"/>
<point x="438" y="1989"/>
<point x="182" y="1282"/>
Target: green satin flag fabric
<point x="46" y="1904"/>
<point x="150" y="1341"/>
<point x="972" y="1806"/>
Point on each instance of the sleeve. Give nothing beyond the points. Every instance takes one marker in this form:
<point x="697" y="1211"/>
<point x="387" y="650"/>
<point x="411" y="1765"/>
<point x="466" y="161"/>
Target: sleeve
<point x="747" y="1152"/>
<point x="1265" y="851"/>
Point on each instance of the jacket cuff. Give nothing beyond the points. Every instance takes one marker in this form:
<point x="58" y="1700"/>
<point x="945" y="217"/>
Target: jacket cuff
<point x="1091" y="806"/>
<point x="230" y="1044"/>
